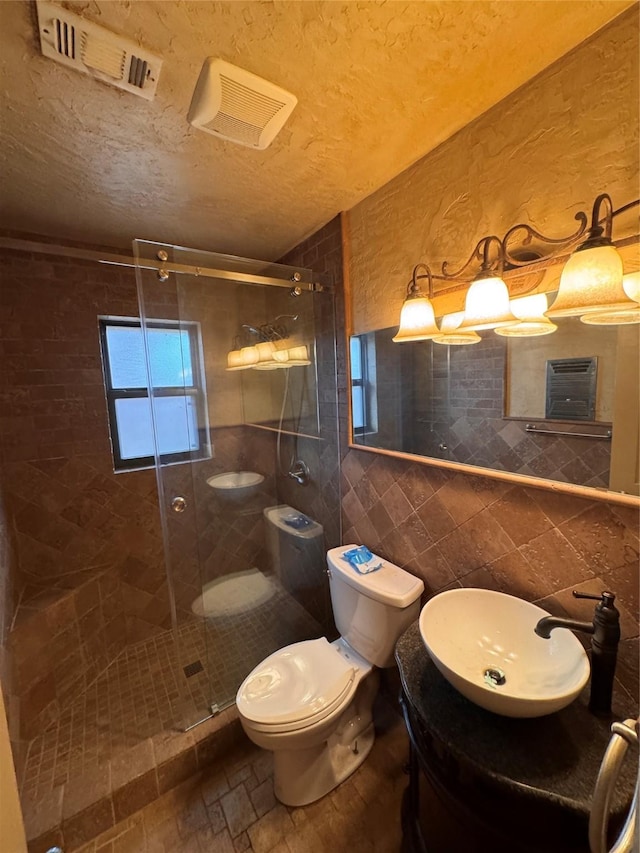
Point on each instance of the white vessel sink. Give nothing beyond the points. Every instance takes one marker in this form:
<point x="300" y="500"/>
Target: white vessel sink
<point x="236" y="485"/>
<point x="477" y="638"/>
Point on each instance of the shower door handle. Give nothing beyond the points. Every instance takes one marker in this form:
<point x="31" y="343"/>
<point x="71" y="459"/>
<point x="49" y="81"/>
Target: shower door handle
<point x="179" y="504"/>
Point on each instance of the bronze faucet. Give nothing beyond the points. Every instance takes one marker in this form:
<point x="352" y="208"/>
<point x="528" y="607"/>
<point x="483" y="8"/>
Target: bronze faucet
<point x="605" y="631"/>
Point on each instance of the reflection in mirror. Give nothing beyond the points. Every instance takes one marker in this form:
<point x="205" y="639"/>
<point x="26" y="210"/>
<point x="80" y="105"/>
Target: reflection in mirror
<point x="562" y="407"/>
<point x="282" y="398"/>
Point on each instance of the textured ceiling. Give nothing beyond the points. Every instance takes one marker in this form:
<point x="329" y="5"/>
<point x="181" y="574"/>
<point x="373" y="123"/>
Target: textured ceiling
<point x="378" y="86"/>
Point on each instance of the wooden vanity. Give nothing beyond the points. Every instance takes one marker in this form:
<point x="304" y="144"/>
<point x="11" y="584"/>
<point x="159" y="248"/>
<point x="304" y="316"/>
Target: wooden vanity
<point x="483" y="783"/>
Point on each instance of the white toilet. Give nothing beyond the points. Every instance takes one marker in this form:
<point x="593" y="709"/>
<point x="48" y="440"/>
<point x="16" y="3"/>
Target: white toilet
<point x="311" y="702"/>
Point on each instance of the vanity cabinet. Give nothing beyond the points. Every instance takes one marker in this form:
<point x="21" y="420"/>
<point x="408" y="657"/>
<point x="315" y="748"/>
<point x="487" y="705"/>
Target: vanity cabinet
<point x="481" y="783"/>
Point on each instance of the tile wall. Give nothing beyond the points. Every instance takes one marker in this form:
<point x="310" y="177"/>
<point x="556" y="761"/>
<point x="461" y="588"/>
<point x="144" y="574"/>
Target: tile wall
<point x="322" y="252"/>
<point x="464" y="410"/>
<point x="73" y="517"/>
<point x="10" y="589"/>
<point x="60" y="643"/>
<point x="453" y="529"/>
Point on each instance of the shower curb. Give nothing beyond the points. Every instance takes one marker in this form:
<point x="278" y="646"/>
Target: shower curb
<point x="76" y="812"/>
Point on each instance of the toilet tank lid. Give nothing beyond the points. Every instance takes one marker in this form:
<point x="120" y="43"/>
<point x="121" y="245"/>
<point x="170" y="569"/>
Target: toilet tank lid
<point x="388" y="585"/>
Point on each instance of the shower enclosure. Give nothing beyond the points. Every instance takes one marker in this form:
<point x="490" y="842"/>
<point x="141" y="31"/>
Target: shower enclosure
<point x="240" y="359"/>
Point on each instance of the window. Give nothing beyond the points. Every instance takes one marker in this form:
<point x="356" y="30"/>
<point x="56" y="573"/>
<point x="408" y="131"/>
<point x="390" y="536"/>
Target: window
<point x="178" y="391"/>
<point x="363" y="372"/>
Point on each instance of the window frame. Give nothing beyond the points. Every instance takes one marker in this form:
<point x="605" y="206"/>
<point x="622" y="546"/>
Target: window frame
<point x="369" y="411"/>
<point x="196" y="391"/>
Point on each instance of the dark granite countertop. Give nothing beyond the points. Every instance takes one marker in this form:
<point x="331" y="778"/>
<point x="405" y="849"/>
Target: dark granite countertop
<point x="554" y="759"/>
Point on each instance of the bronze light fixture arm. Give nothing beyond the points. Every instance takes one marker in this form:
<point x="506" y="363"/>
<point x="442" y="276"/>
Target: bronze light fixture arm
<point x="479" y="255"/>
<point x="531" y="234"/>
<point x="505" y="261"/>
<point x="625" y="207"/>
<point x="601" y="226"/>
<point x="413" y="288"/>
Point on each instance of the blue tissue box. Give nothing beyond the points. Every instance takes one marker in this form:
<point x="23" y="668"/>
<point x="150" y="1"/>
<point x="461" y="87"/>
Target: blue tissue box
<point x="297" y="521"/>
<point x="362" y="560"/>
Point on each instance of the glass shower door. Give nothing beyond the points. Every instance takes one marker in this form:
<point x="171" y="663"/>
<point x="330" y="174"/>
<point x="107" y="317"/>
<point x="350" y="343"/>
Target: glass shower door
<point x="245" y="443"/>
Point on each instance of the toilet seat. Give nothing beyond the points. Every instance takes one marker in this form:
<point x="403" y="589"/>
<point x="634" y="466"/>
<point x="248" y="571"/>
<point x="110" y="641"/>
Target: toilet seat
<point x="296" y="687"/>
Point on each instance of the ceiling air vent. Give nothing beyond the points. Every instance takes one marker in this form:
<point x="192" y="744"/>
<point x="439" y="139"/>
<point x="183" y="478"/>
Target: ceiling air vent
<point x="91" y="49"/>
<point x="571" y="389"/>
<point x="65" y="35"/>
<point x="234" y="104"/>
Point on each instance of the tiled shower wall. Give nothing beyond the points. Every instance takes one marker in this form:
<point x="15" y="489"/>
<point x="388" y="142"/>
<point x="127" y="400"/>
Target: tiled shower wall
<point x="81" y="535"/>
<point x="88" y="548"/>
<point x="81" y="547"/>
<point x="73" y="516"/>
<point x="463" y="409"/>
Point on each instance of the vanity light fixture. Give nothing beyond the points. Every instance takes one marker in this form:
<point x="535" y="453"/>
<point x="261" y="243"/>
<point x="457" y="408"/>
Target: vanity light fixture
<point x="264" y="353"/>
<point x="532" y="322"/>
<point x="487" y="302"/>
<point x="450" y="331"/>
<point x="591" y="280"/>
<point x="591" y="285"/>
<point x="631" y="285"/>
<point x="417" y="317"/>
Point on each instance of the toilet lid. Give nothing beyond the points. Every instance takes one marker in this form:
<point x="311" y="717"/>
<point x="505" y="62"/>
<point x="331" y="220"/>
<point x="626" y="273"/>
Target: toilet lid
<point x="295" y="683"/>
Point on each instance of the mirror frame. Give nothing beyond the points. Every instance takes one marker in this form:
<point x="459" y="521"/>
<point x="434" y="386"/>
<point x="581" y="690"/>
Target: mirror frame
<point x="453" y="301"/>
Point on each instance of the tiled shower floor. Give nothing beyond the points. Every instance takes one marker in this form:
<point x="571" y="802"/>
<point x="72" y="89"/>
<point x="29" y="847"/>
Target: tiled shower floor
<point x="145" y="691"/>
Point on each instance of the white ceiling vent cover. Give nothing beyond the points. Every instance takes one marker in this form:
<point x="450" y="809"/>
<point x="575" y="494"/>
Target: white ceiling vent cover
<point x="234" y="104"/>
<point x="88" y="48"/>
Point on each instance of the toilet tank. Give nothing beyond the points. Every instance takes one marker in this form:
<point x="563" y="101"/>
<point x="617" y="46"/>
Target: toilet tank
<point x="372" y="611"/>
<point x="295" y="545"/>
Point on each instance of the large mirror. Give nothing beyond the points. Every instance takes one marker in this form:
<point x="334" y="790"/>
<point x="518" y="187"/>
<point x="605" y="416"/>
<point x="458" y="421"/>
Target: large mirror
<point x="561" y="407"/>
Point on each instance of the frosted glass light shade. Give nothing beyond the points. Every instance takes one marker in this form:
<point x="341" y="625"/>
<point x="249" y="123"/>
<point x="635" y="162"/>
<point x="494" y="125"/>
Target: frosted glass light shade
<point x="298" y="356"/>
<point x="450" y="333"/>
<point x="530" y="312"/>
<point x="235" y="360"/>
<point x="417" y="320"/>
<point x="591" y="282"/>
<point x="265" y="351"/>
<point x="249" y="356"/>
<point x="631" y="286"/>
<point x="487" y="305"/>
<point x="281" y="355"/>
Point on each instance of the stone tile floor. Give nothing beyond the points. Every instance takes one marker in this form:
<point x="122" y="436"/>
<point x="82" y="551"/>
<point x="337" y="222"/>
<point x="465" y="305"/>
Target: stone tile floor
<point x="232" y="809"/>
<point x="145" y="690"/>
